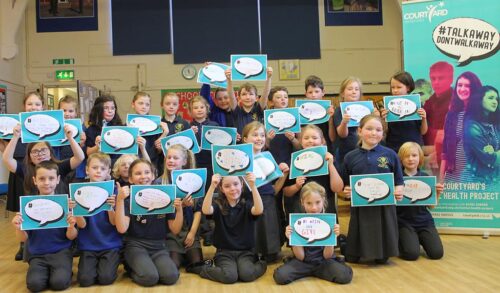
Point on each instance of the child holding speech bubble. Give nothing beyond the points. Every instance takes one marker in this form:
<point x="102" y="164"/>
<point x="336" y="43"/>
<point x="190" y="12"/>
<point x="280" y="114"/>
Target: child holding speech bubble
<point x="184" y="247"/>
<point x="234" y="234"/>
<point x="268" y="243"/>
<point x="402" y="131"/>
<point x="318" y="261"/>
<point x="416" y="225"/>
<point x="98" y="241"/>
<point x="51" y="259"/>
<point x="373" y="230"/>
<point x="145" y="253"/>
<point x="220" y="105"/>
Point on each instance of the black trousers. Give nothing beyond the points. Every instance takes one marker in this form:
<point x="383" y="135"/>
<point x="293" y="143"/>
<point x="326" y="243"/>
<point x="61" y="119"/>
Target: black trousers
<point x="410" y="240"/>
<point x="98" y="267"/>
<point x="330" y="270"/>
<point x="50" y="271"/>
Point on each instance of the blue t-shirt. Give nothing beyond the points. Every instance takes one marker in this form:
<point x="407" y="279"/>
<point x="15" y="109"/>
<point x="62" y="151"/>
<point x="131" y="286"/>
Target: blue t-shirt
<point x="47" y="241"/>
<point x="98" y="234"/>
<point x="222" y="117"/>
<point x="414" y="216"/>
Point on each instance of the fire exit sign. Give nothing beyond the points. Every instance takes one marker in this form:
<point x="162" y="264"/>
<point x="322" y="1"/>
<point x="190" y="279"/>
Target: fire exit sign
<point x="65" y="74"/>
<point x="63" y="61"/>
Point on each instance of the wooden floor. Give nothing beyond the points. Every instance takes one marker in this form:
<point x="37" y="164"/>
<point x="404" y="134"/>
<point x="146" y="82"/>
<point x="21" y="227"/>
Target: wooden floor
<point x="470" y="264"/>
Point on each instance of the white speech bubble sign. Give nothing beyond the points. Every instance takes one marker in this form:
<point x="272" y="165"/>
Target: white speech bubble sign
<point x="44" y="211"/>
<point x="189" y="183"/>
<point x="145" y="125"/>
<point x="232" y="160"/>
<point x="218" y="137"/>
<point x="416" y="190"/>
<point x="248" y="66"/>
<point x="214" y="73"/>
<point x="308" y="161"/>
<point x="182" y="140"/>
<point x="74" y="131"/>
<point x="152" y="199"/>
<point x="119" y="139"/>
<point x="281" y="120"/>
<point x="312" y="228"/>
<point x="91" y="197"/>
<point x="357" y="111"/>
<point x="402" y="107"/>
<point x="312" y="111"/>
<point x="263" y="167"/>
<point x="372" y="189"/>
<point x="466" y="38"/>
<point x="42" y="125"/>
<point x="7" y="125"/>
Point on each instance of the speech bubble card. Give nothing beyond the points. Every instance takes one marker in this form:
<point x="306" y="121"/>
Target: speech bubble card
<point x="119" y="140"/>
<point x="90" y="197"/>
<point x="481" y="42"/>
<point x="217" y="135"/>
<point x="76" y="130"/>
<point x="265" y="169"/>
<point x="313" y="111"/>
<point x="313" y="230"/>
<point x="213" y="74"/>
<point x="186" y="138"/>
<point x="234" y="160"/>
<point x="44" y="211"/>
<point x="249" y="67"/>
<point x="152" y="199"/>
<point x="357" y="110"/>
<point x="147" y="124"/>
<point x="7" y="124"/>
<point x="42" y="126"/>
<point x="402" y="108"/>
<point x="372" y="190"/>
<point x="419" y="191"/>
<point x="190" y="182"/>
<point x="282" y="120"/>
<point x="309" y="162"/>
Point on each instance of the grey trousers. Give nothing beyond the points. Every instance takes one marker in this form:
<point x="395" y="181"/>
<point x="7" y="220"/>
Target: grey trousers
<point x="410" y="240"/>
<point x="330" y="270"/>
<point x="98" y="267"/>
<point x="50" y="271"/>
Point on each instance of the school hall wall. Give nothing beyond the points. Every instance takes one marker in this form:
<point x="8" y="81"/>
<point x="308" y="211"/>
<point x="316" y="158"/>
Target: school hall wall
<point x="372" y="53"/>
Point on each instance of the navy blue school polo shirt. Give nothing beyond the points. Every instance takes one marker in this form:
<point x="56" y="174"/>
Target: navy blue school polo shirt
<point x="242" y="118"/>
<point x="401" y="132"/>
<point x="47" y="241"/>
<point x="346" y="144"/>
<point x="281" y="148"/>
<point x="176" y="125"/>
<point x="236" y="229"/>
<point x="414" y="216"/>
<point x="380" y="159"/>
<point x="313" y="254"/>
<point x="98" y="234"/>
<point x="204" y="157"/>
<point x="150" y="227"/>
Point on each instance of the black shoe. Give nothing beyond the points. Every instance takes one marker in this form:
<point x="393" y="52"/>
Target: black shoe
<point x="381" y="261"/>
<point x="19" y="254"/>
<point x="342" y="243"/>
<point x="197" y="267"/>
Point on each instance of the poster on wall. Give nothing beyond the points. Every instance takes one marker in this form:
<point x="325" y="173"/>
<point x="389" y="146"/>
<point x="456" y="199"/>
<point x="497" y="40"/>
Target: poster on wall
<point x="3" y="99"/>
<point x="353" y="12"/>
<point x="66" y="15"/>
<point x="451" y="49"/>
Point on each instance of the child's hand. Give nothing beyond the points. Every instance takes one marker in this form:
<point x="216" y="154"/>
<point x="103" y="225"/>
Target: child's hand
<point x="300" y="181"/>
<point x="398" y="192"/>
<point x="284" y="168"/>
<point x="71" y="220"/>
<point x="346" y="193"/>
<point x="345" y="118"/>
<point x="83" y="138"/>
<point x="17" y="221"/>
<point x="67" y="132"/>
<point x="290" y="135"/>
<point x="164" y="126"/>
<point x="271" y="134"/>
<point x="17" y="131"/>
<point x="178" y="204"/>
<point x="141" y="141"/>
<point x="336" y="229"/>
<point x="123" y="192"/>
<point x="188" y="242"/>
<point x="111" y="201"/>
<point x="216" y="178"/>
<point x="227" y="72"/>
<point x="329" y="157"/>
<point x="269" y="72"/>
<point x="421" y="112"/>
<point x="98" y="140"/>
<point x="71" y="203"/>
<point x="194" y="128"/>
<point x="250" y="177"/>
<point x="158" y="144"/>
<point x="288" y="231"/>
<point x="187" y="201"/>
<point x="384" y="113"/>
<point x="439" y="189"/>
<point x="331" y="111"/>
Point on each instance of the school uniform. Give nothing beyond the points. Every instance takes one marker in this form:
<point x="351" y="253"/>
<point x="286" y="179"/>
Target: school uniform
<point x="345" y="144"/>
<point x="401" y="132"/>
<point x="204" y="157"/>
<point x="175" y="126"/>
<point x="293" y="204"/>
<point x="61" y="188"/>
<point x="146" y="253"/>
<point x="267" y="226"/>
<point x="241" y="117"/>
<point x="325" y="129"/>
<point x="99" y="244"/>
<point x="416" y="227"/>
<point x="281" y="148"/>
<point x="50" y="260"/>
<point x="222" y="117"/>
<point x="155" y="156"/>
<point x="373" y="231"/>
<point x="314" y="264"/>
<point x="234" y="238"/>
<point x="94" y="131"/>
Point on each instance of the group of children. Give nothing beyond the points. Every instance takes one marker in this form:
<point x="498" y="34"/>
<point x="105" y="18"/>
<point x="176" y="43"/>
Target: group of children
<point x="249" y="223"/>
